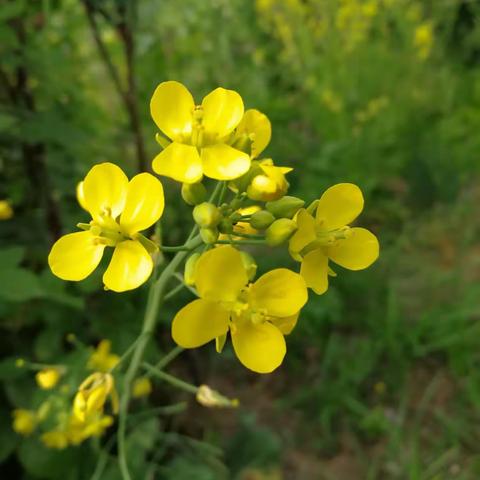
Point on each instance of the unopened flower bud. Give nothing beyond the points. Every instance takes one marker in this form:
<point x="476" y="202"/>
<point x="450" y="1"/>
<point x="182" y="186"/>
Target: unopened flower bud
<point x="194" y="193"/>
<point x="280" y="231"/>
<point x="209" y="235"/>
<point x="261" y="220"/>
<point x="189" y="271"/>
<point x="249" y="264"/>
<point x="208" y="397"/>
<point x="206" y="215"/>
<point x="286" y="207"/>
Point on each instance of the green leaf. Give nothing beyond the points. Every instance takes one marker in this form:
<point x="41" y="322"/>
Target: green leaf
<point x="19" y="285"/>
<point x="11" y="256"/>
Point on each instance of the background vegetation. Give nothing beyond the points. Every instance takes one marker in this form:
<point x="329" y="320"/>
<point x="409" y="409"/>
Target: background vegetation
<point x="382" y="376"/>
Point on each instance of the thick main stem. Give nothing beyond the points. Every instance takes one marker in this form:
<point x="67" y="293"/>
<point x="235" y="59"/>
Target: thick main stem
<point x="155" y="298"/>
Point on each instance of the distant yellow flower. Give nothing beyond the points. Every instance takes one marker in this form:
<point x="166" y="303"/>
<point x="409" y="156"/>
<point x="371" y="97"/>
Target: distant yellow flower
<point x="120" y="210"/>
<point x="24" y="421"/>
<point x="6" y="210"/>
<point x="142" y="387"/>
<point x="57" y="439"/>
<point x="101" y="360"/>
<point x="199" y="134"/>
<point x="257" y="315"/>
<point x="327" y="237"/>
<point x="423" y="39"/>
<point x="93" y="426"/>
<point x="92" y="395"/>
<point x="47" y="378"/>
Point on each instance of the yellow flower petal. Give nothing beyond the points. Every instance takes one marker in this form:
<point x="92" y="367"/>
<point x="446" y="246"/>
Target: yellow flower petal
<point x="314" y="270"/>
<point x="172" y="108"/>
<point x="81" y="196"/>
<point x="220" y="274"/>
<point x="339" y="205"/>
<point x="198" y="323"/>
<point x="223" y="162"/>
<point x="280" y="293"/>
<point x="131" y="265"/>
<point x="356" y="252"/>
<point x="105" y="190"/>
<point x="222" y="112"/>
<point x="257" y="126"/>
<point x="305" y="232"/>
<point x="180" y="162"/>
<point x="260" y="348"/>
<point x="75" y="256"/>
<point x="144" y="205"/>
<point x="286" y="324"/>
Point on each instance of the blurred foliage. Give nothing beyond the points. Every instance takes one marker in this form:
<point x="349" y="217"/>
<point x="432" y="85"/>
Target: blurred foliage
<point x="381" y="380"/>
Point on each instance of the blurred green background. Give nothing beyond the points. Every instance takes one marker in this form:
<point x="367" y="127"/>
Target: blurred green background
<point x="381" y="380"/>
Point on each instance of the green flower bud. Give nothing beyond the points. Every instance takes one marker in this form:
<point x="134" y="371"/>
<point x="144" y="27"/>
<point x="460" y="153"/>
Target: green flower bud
<point x="312" y="207"/>
<point x="261" y="220"/>
<point x="225" y="226"/>
<point x="189" y="271"/>
<point x="249" y="264"/>
<point x="206" y="215"/>
<point x="285" y="207"/>
<point x="280" y="231"/>
<point x="209" y="235"/>
<point x="194" y="193"/>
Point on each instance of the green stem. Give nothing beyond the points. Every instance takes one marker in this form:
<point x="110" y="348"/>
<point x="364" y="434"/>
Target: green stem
<point x="174" y="291"/>
<point x="155" y="299"/>
<point x="176" y="382"/>
<point x="241" y="242"/>
<point x="171" y="355"/>
<point x="181" y="248"/>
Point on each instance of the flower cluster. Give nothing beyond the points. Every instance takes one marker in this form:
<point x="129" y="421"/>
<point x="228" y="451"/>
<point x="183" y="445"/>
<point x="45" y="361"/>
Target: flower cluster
<point x="240" y="203"/>
<point x="62" y="418"/>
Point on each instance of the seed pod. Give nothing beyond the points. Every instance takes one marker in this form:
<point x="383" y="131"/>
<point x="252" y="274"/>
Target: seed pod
<point x="286" y="207"/>
<point x="280" y="231"/>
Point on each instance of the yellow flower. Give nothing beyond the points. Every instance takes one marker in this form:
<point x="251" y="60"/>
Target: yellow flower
<point x="269" y="182"/>
<point x="142" y="387"/>
<point x="423" y="39"/>
<point x="199" y="134"/>
<point x="327" y="237"/>
<point x="101" y="360"/>
<point x="47" y="378"/>
<point x="92" y="396"/>
<point x="257" y="315"/>
<point x="6" y="210"/>
<point x="120" y="210"/>
<point x="253" y="133"/>
<point x="24" y="421"/>
<point x="94" y="426"/>
<point x="57" y="439"/>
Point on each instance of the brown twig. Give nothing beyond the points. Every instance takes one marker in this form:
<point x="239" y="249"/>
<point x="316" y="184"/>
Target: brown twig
<point x="127" y="94"/>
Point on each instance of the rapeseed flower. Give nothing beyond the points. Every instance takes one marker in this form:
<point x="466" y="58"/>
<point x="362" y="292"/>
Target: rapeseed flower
<point x="328" y="237"/>
<point x="93" y="394"/>
<point x="6" y="210"/>
<point x="257" y="315"/>
<point x="101" y="360"/>
<point x="199" y="134"/>
<point x="47" y="378"/>
<point x="253" y="133"/>
<point x="120" y="209"/>
<point x="24" y="421"/>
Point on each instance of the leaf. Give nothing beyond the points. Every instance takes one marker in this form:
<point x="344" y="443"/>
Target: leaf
<point x="19" y="285"/>
<point x="11" y="9"/>
<point x="11" y="256"/>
